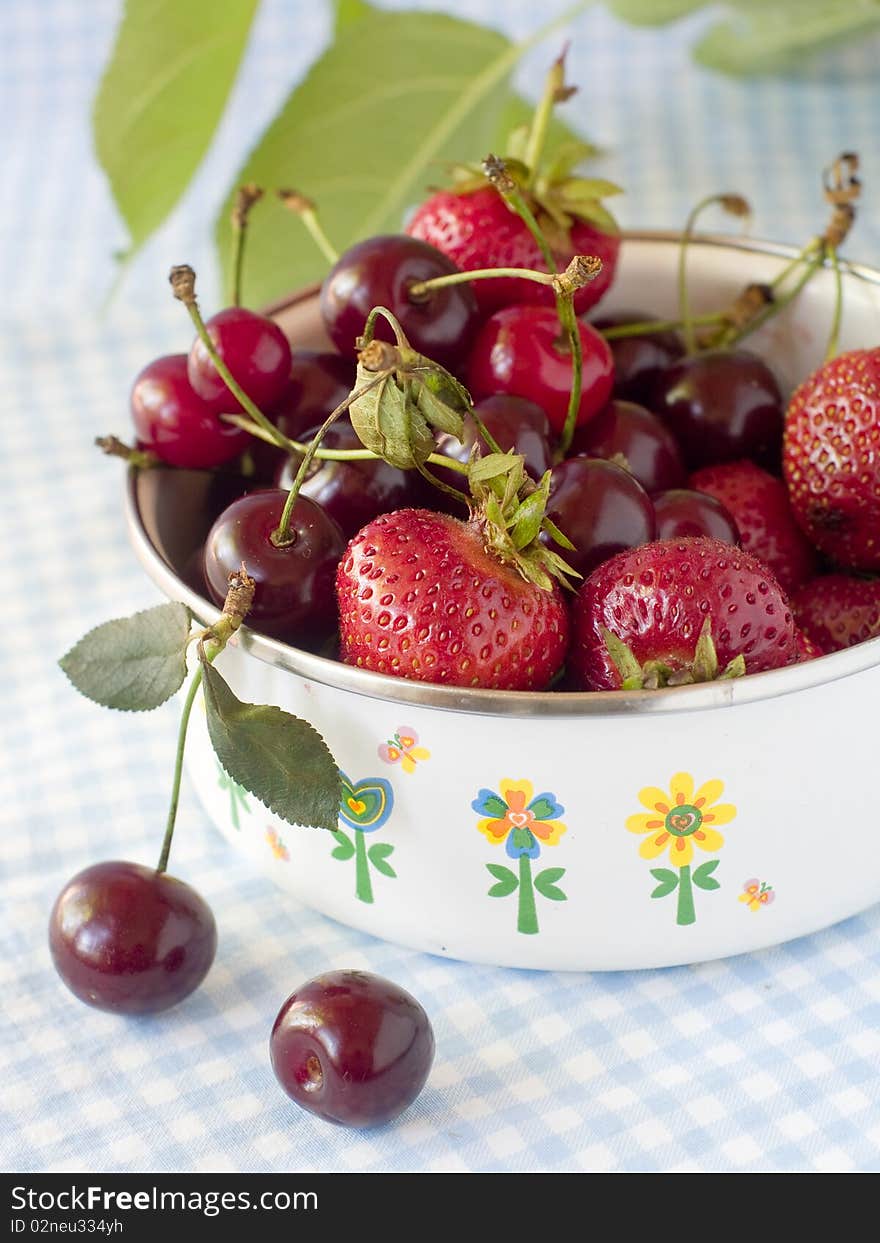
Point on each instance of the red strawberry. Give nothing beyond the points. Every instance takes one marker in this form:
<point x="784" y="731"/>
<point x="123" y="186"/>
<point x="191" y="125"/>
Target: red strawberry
<point x="807" y="649"/>
<point x="421" y="597"/>
<point x="478" y="230"/>
<point x="838" y="610"/>
<point x="659" y="601"/>
<point x="831" y="458"/>
<point x="758" y="502"/>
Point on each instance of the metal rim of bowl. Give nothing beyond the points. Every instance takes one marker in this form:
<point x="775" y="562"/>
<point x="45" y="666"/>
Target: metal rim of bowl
<point x="751" y="689"/>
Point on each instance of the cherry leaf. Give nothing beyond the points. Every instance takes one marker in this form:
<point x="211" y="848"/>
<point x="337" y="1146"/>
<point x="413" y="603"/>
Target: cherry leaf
<point x="282" y="760"/>
<point x="133" y="664"/>
<point x="161" y="99"/>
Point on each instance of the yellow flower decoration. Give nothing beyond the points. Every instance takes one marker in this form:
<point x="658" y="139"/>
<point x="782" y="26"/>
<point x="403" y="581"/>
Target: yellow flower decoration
<point x="682" y="819"/>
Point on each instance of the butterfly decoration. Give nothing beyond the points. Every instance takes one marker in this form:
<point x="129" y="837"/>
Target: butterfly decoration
<point x="279" y="850"/>
<point x="757" y="893"/>
<point x="403" y="749"/>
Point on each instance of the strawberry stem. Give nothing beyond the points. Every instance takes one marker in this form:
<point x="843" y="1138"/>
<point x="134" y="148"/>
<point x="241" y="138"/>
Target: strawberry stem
<point x="245" y="198"/>
<point x="554" y="91"/>
<point x="308" y="214"/>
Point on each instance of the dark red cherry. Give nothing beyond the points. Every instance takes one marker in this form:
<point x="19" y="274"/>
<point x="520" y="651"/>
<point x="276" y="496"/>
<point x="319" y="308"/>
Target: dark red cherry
<point x="638" y="361"/>
<point x="630" y="435"/>
<point x="128" y="939"/>
<point x="518" y="425"/>
<point x="295" y="597"/>
<point x="353" y="493"/>
<point x="175" y="423"/>
<point x="319" y="382"/>
<point x="353" y="1048"/>
<point x="519" y="351"/>
<point x="721" y="406"/>
<point x="682" y="512"/>
<point x="602" y="509"/>
<point x="379" y="272"/>
<point x="254" y="349"/>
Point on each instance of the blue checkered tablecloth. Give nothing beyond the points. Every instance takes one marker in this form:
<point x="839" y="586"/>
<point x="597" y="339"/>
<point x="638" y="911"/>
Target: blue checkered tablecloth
<point x="764" y="1062"/>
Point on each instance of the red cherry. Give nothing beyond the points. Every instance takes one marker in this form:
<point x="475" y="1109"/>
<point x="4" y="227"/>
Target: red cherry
<point x="254" y="349"/>
<point x="682" y="513"/>
<point x="379" y="272"/>
<point x="353" y="1048"/>
<point x="295" y="597"/>
<point x="175" y="423"/>
<point x="519" y="351"/>
<point x="629" y="434"/>
<point x="128" y="939"/>
<point x="638" y="361"/>
<point x="602" y="509"/>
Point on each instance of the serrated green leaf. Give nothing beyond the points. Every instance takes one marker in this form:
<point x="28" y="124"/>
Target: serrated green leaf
<point x="766" y="38"/>
<point x="653" y="12"/>
<point x="588" y="188"/>
<point x="133" y="664"/>
<point x="545" y="883"/>
<point x="491" y="466"/>
<point x="363" y="133"/>
<point x="702" y="876"/>
<point x="282" y="760"/>
<point x="378" y="856"/>
<point x="437" y="413"/>
<point x="161" y="98"/>
<point x="507" y="880"/>
<point x="345" y="849"/>
<point x="668" y="881"/>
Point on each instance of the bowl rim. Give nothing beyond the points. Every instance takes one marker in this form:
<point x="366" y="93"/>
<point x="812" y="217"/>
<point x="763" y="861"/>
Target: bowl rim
<point x="757" y="687"/>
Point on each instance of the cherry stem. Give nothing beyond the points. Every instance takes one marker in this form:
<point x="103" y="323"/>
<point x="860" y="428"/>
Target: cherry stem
<point x="182" y="280"/>
<point x="307" y="212"/>
<point x="239" y="599"/>
<point x="568" y="320"/>
<point x="644" y="327"/>
<point x="114" y="447"/>
<point x="420" y="288"/>
<point x="245" y="198"/>
<point x="834" y="334"/>
<point x="737" y="206"/>
<point x="498" y="176"/>
<point x="554" y="90"/>
<point x="734" y="336"/>
<point x="283" y="536"/>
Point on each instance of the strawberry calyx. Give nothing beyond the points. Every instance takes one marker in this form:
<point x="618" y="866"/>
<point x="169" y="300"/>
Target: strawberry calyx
<point x="556" y="197"/>
<point x="655" y="674"/>
<point x="509" y="510"/>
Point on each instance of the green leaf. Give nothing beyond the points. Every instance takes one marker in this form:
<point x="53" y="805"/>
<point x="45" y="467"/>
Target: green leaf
<point x="703" y="878"/>
<point x="507" y="880"/>
<point x="653" y="12"/>
<point x="161" y="99"/>
<point x="281" y="759"/>
<point x="347" y="12"/>
<point x="378" y="856"/>
<point x="366" y="132"/>
<point x="545" y="884"/>
<point x="668" y="881"/>
<point x="766" y="38"/>
<point x="345" y="848"/>
<point x="133" y="663"/>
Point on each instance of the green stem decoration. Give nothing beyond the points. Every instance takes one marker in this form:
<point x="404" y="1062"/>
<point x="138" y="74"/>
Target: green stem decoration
<point x="363" y="884"/>
<point x="686" y="913"/>
<point x="527" y="915"/>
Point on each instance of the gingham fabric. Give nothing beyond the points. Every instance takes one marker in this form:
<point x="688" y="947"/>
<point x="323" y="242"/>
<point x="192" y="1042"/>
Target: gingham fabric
<point x="764" y="1062"/>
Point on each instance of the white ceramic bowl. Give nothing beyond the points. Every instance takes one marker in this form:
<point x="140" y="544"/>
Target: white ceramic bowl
<point x="542" y="830"/>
